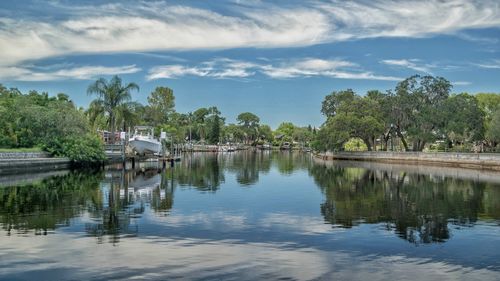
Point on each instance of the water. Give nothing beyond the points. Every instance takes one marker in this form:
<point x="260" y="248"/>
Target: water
<point x="252" y="216"/>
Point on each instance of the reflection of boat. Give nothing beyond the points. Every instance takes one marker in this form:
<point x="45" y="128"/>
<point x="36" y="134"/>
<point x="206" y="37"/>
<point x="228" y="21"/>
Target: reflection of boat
<point x="285" y="146"/>
<point x="142" y="186"/>
<point x="227" y="148"/>
<point x="143" y="141"/>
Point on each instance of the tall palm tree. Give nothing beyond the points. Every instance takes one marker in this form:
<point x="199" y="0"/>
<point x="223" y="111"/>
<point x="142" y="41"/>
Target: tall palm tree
<point x="111" y="95"/>
<point x="128" y="114"/>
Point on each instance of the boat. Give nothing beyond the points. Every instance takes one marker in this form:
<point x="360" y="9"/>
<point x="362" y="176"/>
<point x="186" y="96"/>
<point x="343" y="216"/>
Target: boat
<point x="143" y="141"/>
<point x="285" y="146"/>
<point x="266" y="146"/>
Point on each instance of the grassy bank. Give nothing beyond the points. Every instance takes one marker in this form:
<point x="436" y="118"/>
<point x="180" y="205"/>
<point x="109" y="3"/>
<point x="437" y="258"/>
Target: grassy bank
<point x="23" y="149"/>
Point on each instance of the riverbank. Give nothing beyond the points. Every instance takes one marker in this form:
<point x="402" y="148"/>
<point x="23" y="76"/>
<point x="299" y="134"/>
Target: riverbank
<point x="487" y="161"/>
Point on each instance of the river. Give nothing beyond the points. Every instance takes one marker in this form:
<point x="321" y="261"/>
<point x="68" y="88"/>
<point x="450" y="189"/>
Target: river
<point x="251" y="216"/>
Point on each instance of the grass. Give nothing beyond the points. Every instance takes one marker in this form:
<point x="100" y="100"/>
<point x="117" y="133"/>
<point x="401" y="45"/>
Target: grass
<point x="23" y="149"/>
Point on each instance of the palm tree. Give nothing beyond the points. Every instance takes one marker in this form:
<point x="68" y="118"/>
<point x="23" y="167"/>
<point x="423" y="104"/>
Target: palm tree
<point x="111" y="95"/>
<point x="128" y="114"/>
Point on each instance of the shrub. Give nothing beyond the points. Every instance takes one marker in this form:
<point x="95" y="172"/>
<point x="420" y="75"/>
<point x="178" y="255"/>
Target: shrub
<point x="82" y="150"/>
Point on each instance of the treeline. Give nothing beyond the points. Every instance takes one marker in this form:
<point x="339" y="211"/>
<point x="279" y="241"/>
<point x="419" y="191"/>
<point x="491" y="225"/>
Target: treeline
<point x="55" y="124"/>
<point x="114" y="108"/>
<point x="419" y="113"/>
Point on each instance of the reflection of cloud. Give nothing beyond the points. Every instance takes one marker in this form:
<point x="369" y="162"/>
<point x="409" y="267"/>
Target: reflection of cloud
<point x="152" y="258"/>
<point x="300" y="224"/>
<point x="74" y="257"/>
<point x="212" y="220"/>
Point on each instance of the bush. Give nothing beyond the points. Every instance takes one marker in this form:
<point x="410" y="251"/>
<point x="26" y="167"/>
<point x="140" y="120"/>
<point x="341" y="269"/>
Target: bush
<point x="82" y="150"/>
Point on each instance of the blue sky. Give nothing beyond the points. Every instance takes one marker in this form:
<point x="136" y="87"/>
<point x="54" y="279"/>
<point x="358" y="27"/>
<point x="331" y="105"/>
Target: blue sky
<point x="277" y="59"/>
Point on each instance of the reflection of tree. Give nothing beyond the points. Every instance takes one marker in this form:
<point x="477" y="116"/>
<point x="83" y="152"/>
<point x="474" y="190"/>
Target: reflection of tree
<point x="247" y="165"/>
<point x="289" y="161"/>
<point x="111" y="201"/>
<point x="202" y="171"/>
<point x="417" y="207"/>
<point x="125" y="196"/>
<point x="49" y="203"/>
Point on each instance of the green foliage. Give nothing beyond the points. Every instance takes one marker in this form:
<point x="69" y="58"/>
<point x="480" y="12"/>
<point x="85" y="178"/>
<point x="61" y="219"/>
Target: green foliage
<point x="285" y="131"/>
<point x="463" y="118"/>
<point x="419" y="110"/>
<point x="418" y="103"/>
<point x="249" y="122"/>
<point x="331" y="102"/>
<point x="161" y="105"/>
<point x="489" y="103"/>
<point x="354" y="117"/>
<point x="84" y="150"/>
<point x="32" y="119"/>
<point x="111" y="96"/>
<point x="265" y="133"/>
<point x="493" y="133"/>
<point x="355" y="144"/>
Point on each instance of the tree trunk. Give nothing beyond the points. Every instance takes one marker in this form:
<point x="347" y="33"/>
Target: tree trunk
<point x="422" y="146"/>
<point x="112" y="119"/>
<point x="368" y="144"/>
<point x="403" y="140"/>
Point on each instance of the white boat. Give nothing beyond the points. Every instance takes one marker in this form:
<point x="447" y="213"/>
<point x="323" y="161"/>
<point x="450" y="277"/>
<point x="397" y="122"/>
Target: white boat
<point x="143" y="141"/>
<point x="285" y="146"/>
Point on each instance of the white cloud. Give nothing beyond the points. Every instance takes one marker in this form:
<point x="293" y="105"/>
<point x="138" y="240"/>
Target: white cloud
<point x="410" y="64"/>
<point x="31" y="73"/>
<point x="461" y="83"/>
<point x="218" y="68"/>
<point x="394" y="18"/>
<point x="307" y="67"/>
<point x="151" y="26"/>
<point x="495" y="64"/>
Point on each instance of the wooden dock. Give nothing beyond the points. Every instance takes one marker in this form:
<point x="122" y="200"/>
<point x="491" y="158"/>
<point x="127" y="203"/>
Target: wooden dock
<point x="118" y="153"/>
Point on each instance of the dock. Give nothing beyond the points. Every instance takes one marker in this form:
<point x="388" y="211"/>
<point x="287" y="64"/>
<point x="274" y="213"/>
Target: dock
<point x="116" y="153"/>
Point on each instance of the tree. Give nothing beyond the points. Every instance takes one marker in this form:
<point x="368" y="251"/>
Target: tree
<point x="233" y="133"/>
<point x="286" y="129"/>
<point x="417" y="107"/>
<point x="110" y="95"/>
<point x="265" y="133"/>
<point x="489" y="103"/>
<point x="331" y="102"/>
<point x="463" y="119"/>
<point x="162" y="103"/>
<point x="353" y="117"/>
<point x="493" y="132"/>
<point x="250" y="124"/>
<point x="215" y="128"/>
<point x="215" y="123"/>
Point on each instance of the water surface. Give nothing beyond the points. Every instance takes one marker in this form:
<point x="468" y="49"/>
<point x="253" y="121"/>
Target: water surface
<point x="252" y="216"/>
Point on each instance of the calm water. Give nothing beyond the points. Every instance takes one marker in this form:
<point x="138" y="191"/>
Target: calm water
<point x="252" y="216"/>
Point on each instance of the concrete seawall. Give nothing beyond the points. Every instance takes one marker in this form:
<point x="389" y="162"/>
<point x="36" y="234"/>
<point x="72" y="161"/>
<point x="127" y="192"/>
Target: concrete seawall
<point x="488" y="161"/>
<point x="25" y="162"/>
<point x="23" y="155"/>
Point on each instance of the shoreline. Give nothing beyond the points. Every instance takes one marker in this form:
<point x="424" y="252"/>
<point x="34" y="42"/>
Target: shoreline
<point x="9" y="166"/>
<point x="478" y="161"/>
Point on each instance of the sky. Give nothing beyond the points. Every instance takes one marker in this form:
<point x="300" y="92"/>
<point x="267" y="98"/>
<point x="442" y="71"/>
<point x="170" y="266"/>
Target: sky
<point x="277" y="59"/>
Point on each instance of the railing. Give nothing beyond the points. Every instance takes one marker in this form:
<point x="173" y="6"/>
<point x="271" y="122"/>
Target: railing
<point x="114" y="151"/>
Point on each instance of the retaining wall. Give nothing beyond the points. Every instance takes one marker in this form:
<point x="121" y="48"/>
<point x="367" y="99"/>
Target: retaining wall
<point x="490" y="161"/>
<point x="32" y="165"/>
<point x="23" y="155"/>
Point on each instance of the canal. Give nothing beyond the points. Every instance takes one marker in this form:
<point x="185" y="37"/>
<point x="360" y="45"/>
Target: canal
<point x="251" y="216"/>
